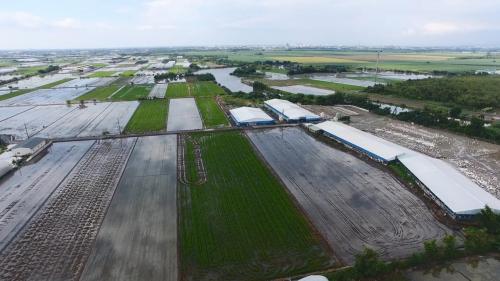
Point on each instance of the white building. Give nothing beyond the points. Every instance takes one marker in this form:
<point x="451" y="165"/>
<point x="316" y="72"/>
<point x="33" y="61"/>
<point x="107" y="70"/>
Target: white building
<point x="29" y="147"/>
<point x="290" y="112"/>
<point x="453" y="191"/>
<point x="366" y="143"/>
<point x="459" y="196"/>
<point x="250" y="116"/>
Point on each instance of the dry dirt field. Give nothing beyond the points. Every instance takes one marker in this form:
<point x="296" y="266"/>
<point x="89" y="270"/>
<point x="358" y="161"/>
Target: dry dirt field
<point x="479" y="160"/>
<point x="352" y="203"/>
<point x="138" y="237"/>
<point x="56" y="242"/>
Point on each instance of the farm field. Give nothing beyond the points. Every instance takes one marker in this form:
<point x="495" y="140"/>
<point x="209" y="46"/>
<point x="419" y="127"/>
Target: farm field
<point x="57" y="241"/>
<point x="101" y="93"/>
<point x="11" y="111"/>
<point x="224" y="233"/>
<point x="178" y="69"/>
<point x="102" y="74"/>
<point x="128" y="73"/>
<point x="427" y="61"/>
<point x="338" y="87"/>
<point x="183" y="115"/>
<point x="13" y="94"/>
<point x="178" y="90"/>
<point x="150" y="116"/>
<point x="158" y="91"/>
<point x="69" y="121"/>
<point x="352" y="203"/>
<point x="306" y="90"/>
<point x="45" y="96"/>
<point x="129" y="93"/>
<point x="205" y="89"/>
<point x="34" y="82"/>
<point x="56" y="83"/>
<point x="26" y="190"/>
<point x="59" y="94"/>
<point x="211" y="113"/>
<point x="33" y="120"/>
<point x="146" y="198"/>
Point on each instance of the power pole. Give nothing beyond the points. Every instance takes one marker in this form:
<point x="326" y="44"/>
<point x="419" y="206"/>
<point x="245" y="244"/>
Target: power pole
<point x="26" y="130"/>
<point x="376" y="68"/>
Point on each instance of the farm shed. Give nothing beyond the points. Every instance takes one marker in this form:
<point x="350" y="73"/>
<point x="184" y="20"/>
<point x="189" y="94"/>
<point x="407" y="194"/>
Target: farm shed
<point x="290" y="112"/>
<point x="250" y="116"/>
<point x="29" y="147"/>
<point x="454" y="192"/>
<point x="373" y="146"/>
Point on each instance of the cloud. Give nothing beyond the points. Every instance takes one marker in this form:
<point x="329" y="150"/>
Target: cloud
<point x="67" y="23"/>
<point x="20" y="19"/>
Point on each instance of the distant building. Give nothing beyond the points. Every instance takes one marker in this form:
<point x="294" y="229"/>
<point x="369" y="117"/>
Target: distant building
<point x="29" y="147"/>
<point x="290" y="112"/>
<point x="250" y="116"/>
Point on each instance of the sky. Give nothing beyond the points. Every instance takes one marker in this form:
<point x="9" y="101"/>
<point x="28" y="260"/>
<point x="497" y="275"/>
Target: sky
<point x="48" y="24"/>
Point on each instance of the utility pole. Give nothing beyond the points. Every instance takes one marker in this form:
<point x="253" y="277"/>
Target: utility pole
<point x="26" y="130"/>
<point x="376" y="68"/>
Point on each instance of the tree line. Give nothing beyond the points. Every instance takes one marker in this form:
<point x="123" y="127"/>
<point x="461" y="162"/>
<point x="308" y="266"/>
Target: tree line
<point x="476" y="91"/>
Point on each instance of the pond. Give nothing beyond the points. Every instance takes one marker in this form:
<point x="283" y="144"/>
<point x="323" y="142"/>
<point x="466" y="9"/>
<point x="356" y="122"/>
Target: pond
<point x="223" y="77"/>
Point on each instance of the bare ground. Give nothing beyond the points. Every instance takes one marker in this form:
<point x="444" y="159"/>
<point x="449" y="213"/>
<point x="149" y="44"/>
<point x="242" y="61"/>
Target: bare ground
<point x="57" y="241"/>
<point x="352" y="204"/>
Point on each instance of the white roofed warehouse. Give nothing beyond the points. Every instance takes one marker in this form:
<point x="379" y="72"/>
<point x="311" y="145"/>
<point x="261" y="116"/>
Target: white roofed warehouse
<point x="373" y="146"/>
<point x="454" y="192"/>
<point x="250" y="116"/>
<point x="290" y="112"/>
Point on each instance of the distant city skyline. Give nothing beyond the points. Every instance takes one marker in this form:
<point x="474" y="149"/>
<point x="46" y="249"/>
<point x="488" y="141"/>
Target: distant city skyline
<point x="50" y="24"/>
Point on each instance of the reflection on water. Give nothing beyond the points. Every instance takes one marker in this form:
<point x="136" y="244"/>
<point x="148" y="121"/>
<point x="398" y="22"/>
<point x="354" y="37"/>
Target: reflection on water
<point x="223" y="77"/>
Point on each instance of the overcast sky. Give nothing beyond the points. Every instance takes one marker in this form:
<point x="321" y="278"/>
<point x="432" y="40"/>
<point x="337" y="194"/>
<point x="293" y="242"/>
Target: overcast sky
<point x="34" y="24"/>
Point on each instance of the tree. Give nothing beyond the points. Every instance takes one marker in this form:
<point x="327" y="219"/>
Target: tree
<point x="477" y="240"/>
<point x="259" y="87"/>
<point x="490" y="220"/>
<point x="431" y="250"/>
<point x="455" y="112"/>
<point x="450" y="246"/>
<point x="367" y="264"/>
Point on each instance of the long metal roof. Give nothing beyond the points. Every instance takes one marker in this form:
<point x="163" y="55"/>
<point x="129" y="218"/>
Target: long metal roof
<point x="290" y="110"/>
<point x="249" y="114"/>
<point x="378" y="146"/>
<point x="461" y="195"/>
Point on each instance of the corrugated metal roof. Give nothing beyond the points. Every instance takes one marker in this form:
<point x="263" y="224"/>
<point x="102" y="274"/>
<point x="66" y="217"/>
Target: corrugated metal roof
<point x="249" y="114"/>
<point x="30" y="143"/>
<point x="380" y="147"/>
<point x="290" y="110"/>
<point x="455" y="190"/>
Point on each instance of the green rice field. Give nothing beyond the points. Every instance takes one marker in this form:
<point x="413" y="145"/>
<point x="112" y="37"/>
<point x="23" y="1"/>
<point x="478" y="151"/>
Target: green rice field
<point x="177" y="90"/>
<point x="102" y="74"/>
<point x="56" y="83"/>
<point x="211" y="113"/>
<point x="150" y="116"/>
<point x="206" y="89"/>
<point x="129" y="93"/>
<point x="240" y="224"/>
